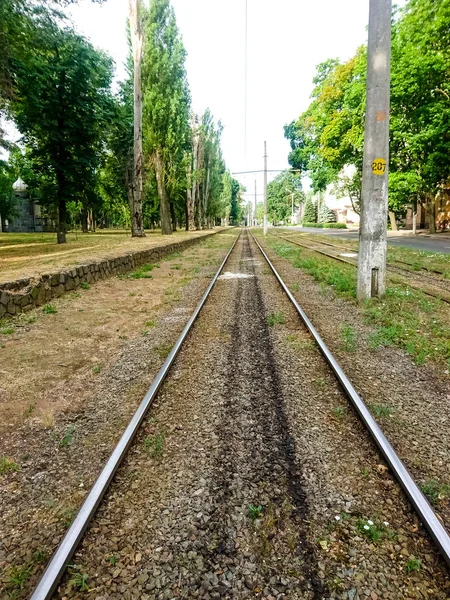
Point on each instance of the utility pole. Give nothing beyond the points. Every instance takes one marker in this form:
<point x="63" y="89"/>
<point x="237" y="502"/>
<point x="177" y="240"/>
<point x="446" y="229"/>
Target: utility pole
<point x="265" y="188"/>
<point x="254" y="213"/>
<point x="374" y="205"/>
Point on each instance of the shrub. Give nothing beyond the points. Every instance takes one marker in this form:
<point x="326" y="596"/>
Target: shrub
<point x="325" y="225"/>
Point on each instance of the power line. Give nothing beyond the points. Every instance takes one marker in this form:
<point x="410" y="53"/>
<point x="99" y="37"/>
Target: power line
<point x="245" y="78"/>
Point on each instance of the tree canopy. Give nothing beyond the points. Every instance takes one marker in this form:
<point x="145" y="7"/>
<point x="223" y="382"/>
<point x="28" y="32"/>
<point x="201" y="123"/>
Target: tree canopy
<point x="329" y="135"/>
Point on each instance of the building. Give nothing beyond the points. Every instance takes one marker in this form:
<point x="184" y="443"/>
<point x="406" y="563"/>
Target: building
<point x="27" y="218"/>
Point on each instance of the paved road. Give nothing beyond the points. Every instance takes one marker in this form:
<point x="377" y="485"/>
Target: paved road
<point x="419" y="242"/>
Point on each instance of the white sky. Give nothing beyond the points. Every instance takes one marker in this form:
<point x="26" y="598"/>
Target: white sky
<point x="286" y="40"/>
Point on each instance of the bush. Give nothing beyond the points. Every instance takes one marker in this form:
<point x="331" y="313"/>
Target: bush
<point x="335" y="225"/>
<point x="325" y="225"/>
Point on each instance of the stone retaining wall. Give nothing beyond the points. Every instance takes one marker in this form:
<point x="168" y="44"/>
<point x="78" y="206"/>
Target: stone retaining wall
<point x="24" y="294"/>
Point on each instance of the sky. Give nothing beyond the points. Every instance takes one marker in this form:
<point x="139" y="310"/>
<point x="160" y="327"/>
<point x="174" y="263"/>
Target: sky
<point x="286" y="39"/>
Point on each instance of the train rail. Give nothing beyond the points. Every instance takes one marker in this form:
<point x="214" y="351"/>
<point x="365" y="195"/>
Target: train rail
<point x="436" y="288"/>
<point x="70" y="542"/>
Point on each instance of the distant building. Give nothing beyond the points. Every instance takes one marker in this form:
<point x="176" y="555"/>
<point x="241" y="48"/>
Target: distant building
<point x="28" y="212"/>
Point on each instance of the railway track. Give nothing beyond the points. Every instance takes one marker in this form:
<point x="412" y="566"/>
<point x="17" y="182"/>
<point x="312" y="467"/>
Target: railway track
<point x="257" y="452"/>
<point x="434" y="287"/>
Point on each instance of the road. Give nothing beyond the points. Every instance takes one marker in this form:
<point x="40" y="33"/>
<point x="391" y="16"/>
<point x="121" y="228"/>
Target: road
<point x="419" y="242"/>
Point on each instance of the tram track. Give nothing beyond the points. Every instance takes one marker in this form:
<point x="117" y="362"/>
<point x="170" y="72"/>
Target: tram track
<point x="434" y="287"/>
<point x="255" y="435"/>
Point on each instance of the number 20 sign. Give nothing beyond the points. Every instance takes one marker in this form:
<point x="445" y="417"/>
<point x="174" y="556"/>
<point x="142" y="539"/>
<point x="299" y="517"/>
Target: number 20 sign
<point x="379" y="166"/>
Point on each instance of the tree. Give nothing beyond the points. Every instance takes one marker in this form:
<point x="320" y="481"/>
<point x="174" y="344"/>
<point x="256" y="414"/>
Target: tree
<point x="236" y="199"/>
<point x="325" y="214"/>
<point x="310" y="211"/>
<point x="279" y="195"/>
<point x="420" y="103"/>
<point x="166" y="107"/>
<point x="137" y="224"/>
<point x="61" y="106"/>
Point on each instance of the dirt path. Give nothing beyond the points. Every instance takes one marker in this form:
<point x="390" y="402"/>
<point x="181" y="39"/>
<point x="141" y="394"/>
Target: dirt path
<point x="245" y="483"/>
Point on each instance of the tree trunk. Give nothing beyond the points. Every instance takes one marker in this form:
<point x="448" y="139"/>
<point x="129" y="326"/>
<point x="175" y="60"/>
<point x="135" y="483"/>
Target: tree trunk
<point x="62" y="220"/>
<point x="393" y="221"/>
<point x="164" y="208"/>
<point x="172" y="216"/>
<point x="84" y="220"/>
<point x="414" y="221"/>
<point x="432" y="213"/>
<point x="137" y="222"/>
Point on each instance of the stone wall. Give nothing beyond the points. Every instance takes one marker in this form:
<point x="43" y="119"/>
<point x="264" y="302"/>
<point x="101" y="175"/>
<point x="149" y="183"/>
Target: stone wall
<point x="24" y="294"/>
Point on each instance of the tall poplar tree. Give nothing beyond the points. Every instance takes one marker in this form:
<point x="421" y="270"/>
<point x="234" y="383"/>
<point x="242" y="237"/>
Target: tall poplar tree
<point x="137" y="41"/>
<point x="166" y="106"/>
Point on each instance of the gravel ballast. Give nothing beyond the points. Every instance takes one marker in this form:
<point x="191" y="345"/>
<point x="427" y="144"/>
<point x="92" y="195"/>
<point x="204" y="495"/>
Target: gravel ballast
<point x="252" y="477"/>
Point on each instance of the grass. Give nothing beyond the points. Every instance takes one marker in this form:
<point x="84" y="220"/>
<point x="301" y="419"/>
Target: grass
<point x="371" y="530"/>
<point x="78" y="579"/>
<point x="163" y="350"/>
<point x="18" y="576"/>
<point x="405" y="318"/>
<point x="339" y="412"/>
<point x="276" y="319"/>
<point x="67" y="438"/>
<point x="435" y="492"/>
<point x="255" y="512"/>
<point x="112" y="559"/>
<point x="382" y="410"/>
<point x="6" y="327"/>
<point x="49" y="309"/>
<point x="96" y="369"/>
<point x="7" y="465"/>
<point x="28" y="412"/>
<point x="348" y="335"/>
<point x="154" y="444"/>
<point x="413" y="564"/>
<point x="85" y="285"/>
<point x="143" y="272"/>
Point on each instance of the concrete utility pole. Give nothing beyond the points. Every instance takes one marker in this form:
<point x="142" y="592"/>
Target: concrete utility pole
<point x="254" y="212"/>
<point x="265" y="188"/>
<point x="374" y="205"/>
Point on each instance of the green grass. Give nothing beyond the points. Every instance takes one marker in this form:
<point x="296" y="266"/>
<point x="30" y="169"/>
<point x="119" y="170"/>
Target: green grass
<point x="154" y="444"/>
<point x="339" y="412"/>
<point x="18" y="576"/>
<point x="78" y="579"/>
<point x="143" y="272"/>
<point x="276" y="319"/>
<point x="382" y="410"/>
<point x="413" y="564"/>
<point x="85" y="285"/>
<point x="435" y="492"/>
<point x="349" y="337"/>
<point x="29" y="410"/>
<point x="163" y="350"/>
<point x="405" y="318"/>
<point x="67" y="438"/>
<point x="7" y="465"/>
<point x="371" y="530"/>
<point x="255" y="512"/>
<point x="49" y="309"/>
<point x="96" y="369"/>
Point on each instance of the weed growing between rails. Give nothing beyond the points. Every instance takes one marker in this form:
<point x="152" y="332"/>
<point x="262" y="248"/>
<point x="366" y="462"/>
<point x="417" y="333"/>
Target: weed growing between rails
<point x="405" y="318"/>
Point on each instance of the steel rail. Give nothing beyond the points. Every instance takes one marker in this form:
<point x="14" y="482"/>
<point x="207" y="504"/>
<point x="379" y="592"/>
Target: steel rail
<point x="69" y="544"/>
<point x="421" y="505"/>
<point x="443" y="297"/>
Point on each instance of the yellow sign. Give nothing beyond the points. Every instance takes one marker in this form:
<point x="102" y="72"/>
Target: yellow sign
<point x="379" y="166"/>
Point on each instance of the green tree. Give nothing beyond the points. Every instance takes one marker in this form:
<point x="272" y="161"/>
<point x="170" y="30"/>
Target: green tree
<point x="61" y="106"/>
<point x="420" y="104"/>
<point x="310" y="210"/>
<point x="166" y="105"/>
<point x="279" y="196"/>
<point x="236" y="202"/>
